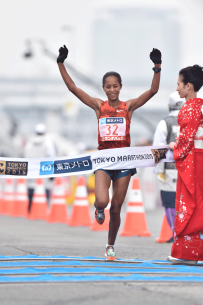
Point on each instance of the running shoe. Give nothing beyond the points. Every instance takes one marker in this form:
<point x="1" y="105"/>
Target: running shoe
<point x="100" y="216"/>
<point x="110" y="254"/>
<point x="179" y="261"/>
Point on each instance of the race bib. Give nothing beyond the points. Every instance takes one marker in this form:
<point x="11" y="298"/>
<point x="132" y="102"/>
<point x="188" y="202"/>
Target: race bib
<point x="112" y="129"/>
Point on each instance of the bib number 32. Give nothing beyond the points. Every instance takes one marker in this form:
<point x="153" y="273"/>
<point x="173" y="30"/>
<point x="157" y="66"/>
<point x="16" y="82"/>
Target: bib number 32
<point x="112" y="129"/>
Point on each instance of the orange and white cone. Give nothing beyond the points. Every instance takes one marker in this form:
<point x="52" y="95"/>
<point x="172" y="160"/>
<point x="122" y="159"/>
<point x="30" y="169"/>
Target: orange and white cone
<point x="39" y="202"/>
<point x="135" y="220"/>
<point x="58" y="209"/>
<point x="67" y="186"/>
<point x="166" y="232"/>
<point x="20" y="207"/>
<point x="9" y="197"/>
<point x="105" y="226"/>
<point x="81" y="211"/>
<point x="1" y="199"/>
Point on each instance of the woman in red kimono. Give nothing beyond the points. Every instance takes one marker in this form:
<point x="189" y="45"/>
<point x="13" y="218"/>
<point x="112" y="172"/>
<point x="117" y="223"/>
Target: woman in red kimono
<point x="188" y="154"/>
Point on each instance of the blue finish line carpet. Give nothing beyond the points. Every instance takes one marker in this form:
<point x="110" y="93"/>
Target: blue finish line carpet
<point x="32" y="268"/>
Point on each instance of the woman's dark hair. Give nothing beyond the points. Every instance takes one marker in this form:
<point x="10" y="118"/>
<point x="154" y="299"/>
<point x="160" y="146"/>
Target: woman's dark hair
<point x="112" y="73"/>
<point x="193" y="75"/>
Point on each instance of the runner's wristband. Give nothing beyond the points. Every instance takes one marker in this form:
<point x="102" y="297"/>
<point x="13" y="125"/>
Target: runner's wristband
<point x="156" y="70"/>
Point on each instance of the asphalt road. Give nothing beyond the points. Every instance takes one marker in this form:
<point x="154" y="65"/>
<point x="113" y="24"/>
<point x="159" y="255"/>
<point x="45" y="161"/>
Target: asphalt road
<point x="20" y="237"/>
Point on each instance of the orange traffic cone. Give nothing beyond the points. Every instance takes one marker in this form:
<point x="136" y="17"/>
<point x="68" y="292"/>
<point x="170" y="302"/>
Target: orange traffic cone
<point x="166" y="232"/>
<point x="9" y="197"/>
<point x="105" y="226"/>
<point x="20" y="207"/>
<point x="1" y="199"/>
<point x="135" y="220"/>
<point x="58" y="209"/>
<point x="67" y="185"/>
<point x="81" y="211"/>
<point x="39" y="202"/>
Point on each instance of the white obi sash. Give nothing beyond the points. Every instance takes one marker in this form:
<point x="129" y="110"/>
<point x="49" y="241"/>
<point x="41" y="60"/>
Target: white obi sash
<point x="199" y="138"/>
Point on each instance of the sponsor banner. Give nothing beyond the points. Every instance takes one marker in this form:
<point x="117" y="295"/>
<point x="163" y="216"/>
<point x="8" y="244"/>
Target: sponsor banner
<point x="112" y="159"/>
<point x="159" y="154"/>
<point x="13" y="168"/>
<point x="72" y="165"/>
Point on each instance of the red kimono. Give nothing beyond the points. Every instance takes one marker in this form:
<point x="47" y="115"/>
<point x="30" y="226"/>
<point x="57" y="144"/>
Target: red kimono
<point x="188" y="153"/>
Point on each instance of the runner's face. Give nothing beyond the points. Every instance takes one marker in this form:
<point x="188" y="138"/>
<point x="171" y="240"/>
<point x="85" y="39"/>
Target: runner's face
<point x="112" y="88"/>
<point x="182" y="89"/>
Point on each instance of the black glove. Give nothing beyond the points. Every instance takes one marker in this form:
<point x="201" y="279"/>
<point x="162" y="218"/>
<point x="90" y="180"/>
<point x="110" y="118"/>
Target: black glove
<point x="155" y="56"/>
<point x="63" y="53"/>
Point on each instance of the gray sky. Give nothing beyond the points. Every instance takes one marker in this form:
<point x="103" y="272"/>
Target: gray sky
<point x="44" y="19"/>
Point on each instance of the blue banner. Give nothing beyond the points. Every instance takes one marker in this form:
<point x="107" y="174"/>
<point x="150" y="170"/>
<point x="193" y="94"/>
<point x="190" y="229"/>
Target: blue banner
<point x="72" y="165"/>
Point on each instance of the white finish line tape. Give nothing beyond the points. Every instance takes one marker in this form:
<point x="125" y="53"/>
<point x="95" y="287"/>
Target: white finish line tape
<point x="109" y="159"/>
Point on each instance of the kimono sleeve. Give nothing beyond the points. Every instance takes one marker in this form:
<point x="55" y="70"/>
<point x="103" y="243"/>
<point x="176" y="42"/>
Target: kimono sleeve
<point x="188" y="129"/>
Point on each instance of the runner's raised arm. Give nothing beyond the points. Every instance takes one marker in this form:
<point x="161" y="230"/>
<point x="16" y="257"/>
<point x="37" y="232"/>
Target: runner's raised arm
<point x="94" y="103"/>
<point x="133" y="104"/>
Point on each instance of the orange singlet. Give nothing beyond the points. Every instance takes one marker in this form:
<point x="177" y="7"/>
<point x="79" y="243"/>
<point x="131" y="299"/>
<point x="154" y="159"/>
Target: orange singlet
<point x="113" y="126"/>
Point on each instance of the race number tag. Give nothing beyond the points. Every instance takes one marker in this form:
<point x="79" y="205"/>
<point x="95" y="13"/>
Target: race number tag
<point x="112" y="129"/>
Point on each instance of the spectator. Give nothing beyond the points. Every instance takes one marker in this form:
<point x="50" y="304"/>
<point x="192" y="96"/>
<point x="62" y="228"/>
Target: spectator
<point x="165" y="133"/>
<point x="39" y="146"/>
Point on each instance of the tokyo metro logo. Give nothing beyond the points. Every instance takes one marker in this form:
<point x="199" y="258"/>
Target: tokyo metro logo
<point x="46" y="168"/>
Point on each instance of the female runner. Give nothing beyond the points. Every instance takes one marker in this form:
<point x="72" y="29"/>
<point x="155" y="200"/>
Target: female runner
<point x="188" y="154"/>
<point x="112" y="108"/>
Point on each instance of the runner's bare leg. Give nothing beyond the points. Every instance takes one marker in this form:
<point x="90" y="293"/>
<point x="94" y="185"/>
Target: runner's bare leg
<point x="102" y="184"/>
<point x="120" y="187"/>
